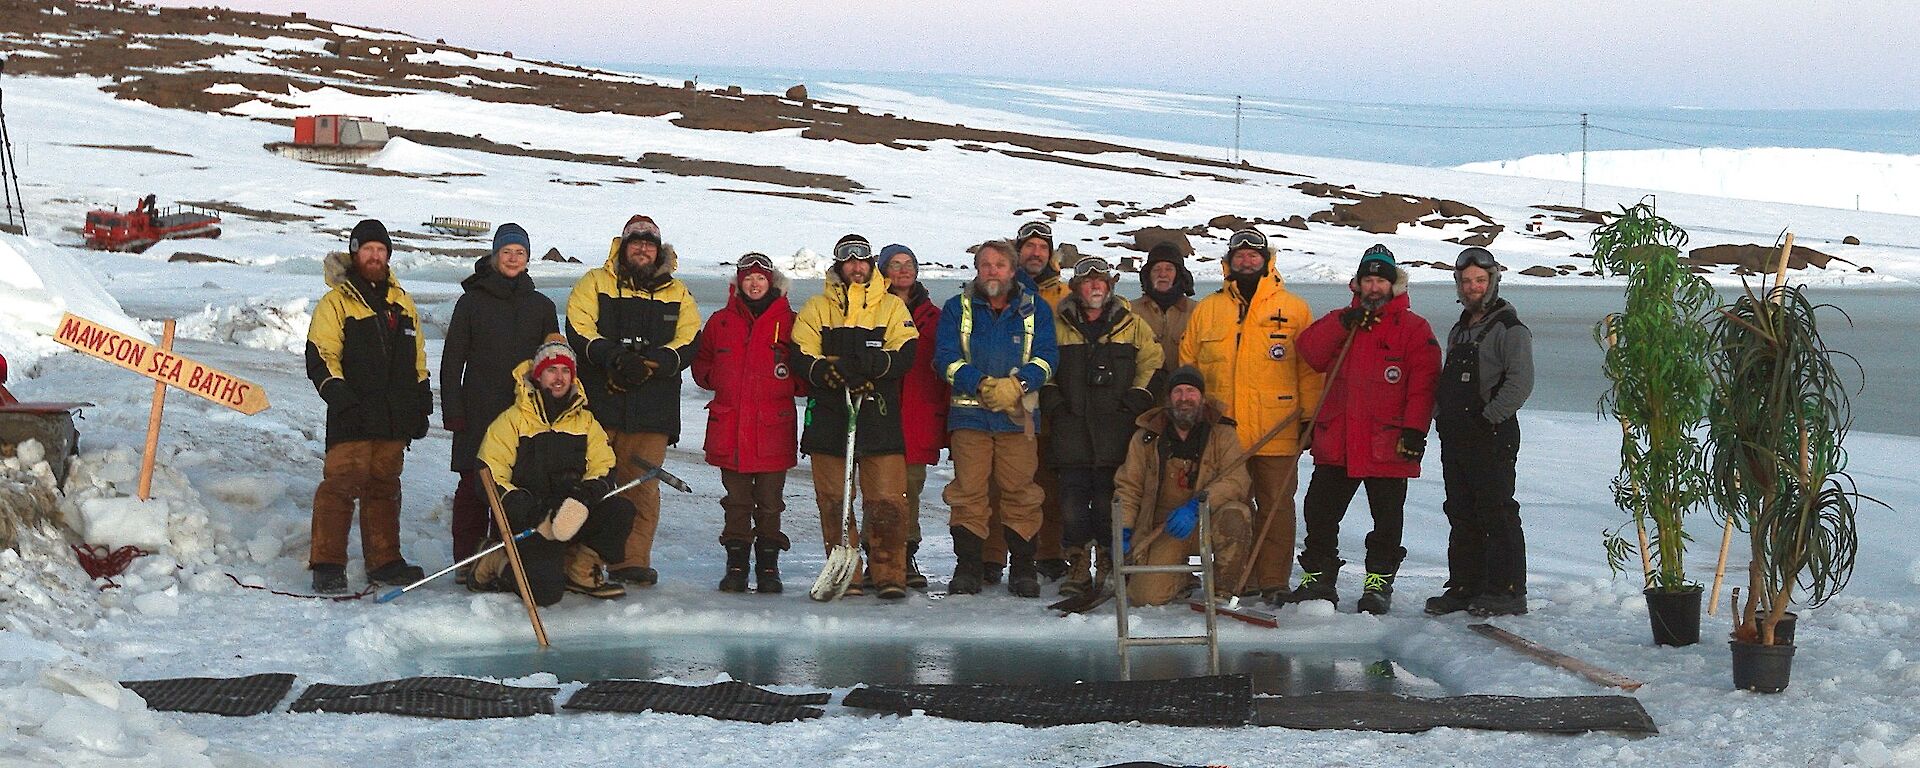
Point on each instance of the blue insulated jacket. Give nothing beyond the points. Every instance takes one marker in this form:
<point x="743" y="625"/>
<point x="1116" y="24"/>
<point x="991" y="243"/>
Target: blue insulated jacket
<point x="976" y="343"/>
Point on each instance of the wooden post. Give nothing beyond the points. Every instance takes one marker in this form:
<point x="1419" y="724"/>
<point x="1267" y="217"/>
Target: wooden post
<point x="1726" y="532"/>
<point x="513" y="555"/>
<point x="153" y="421"/>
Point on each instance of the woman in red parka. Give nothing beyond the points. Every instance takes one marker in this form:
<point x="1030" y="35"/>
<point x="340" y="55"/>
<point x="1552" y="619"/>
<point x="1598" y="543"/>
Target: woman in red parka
<point x="752" y="430"/>
<point x="923" y="393"/>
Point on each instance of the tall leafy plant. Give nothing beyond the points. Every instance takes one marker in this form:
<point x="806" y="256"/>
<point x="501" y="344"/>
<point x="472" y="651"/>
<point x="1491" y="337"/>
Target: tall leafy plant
<point x="1776" y="428"/>
<point x="1660" y="387"/>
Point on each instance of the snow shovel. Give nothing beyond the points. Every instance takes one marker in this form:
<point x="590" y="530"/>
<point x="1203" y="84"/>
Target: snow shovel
<point x="844" y="559"/>
<point x="392" y="594"/>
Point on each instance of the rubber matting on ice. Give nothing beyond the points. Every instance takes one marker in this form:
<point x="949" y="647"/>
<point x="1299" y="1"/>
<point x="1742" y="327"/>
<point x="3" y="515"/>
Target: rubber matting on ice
<point x="1202" y="701"/>
<point x="1394" y="713"/>
<point x="230" y="696"/>
<point x="453" y="698"/>
<point x="730" y="700"/>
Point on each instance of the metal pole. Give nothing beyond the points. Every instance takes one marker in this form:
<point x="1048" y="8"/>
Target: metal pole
<point x="16" y="204"/>
<point x="1583" y="159"/>
<point x="1236" y="128"/>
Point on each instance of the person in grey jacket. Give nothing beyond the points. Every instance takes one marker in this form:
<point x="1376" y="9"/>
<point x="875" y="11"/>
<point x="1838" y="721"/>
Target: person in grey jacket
<point x="1486" y="377"/>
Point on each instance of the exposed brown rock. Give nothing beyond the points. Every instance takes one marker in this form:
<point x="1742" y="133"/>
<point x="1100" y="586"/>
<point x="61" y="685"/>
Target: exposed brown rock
<point x="1850" y="240"/>
<point x="1540" y="271"/>
<point x="1758" y="258"/>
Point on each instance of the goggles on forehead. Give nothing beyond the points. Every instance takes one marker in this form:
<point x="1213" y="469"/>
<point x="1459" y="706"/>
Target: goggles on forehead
<point x="854" y="251"/>
<point x="1479" y="257"/>
<point x="1035" y="229"/>
<point x="1094" y="265"/>
<point x="1246" y="238"/>
<point x="755" y="260"/>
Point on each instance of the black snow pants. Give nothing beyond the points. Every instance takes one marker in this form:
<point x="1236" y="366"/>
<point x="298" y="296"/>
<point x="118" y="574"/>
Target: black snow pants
<point x="1328" y="494"/>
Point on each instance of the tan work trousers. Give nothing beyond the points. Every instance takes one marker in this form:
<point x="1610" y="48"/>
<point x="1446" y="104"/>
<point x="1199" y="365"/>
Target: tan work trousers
<point x="367" y="471"/>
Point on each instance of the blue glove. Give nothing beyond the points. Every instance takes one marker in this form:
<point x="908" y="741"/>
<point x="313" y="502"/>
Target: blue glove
<point x="1180" y="524"/>
<point x="1126" y="541"/>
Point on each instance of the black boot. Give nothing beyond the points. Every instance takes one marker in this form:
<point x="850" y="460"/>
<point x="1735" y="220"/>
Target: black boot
<point x="766" y="571"/>
<point x="1376" y="595"/>
<point x="1314" y="585"/>
<point x="330" y="579"/>
<point x="1023" y="580"/>
<point x="739" y="553"/>
<point x="967" y="566"/>
<point x="915" y="579"/>
<point x="398" y="573"/>
<point x="1450" y="601"/>
<point x="1054" y="568"/>
<point x="990" y="572"/>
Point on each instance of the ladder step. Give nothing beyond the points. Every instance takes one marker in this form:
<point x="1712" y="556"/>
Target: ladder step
<point x="1177" y="568"/>
<point x="1173" y="640"/>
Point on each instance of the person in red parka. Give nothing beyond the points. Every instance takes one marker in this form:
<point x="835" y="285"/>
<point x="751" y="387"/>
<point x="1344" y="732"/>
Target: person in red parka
<point x="1371" y="428"/>
<point x="923" y="394"/>
<point x="752" y="430"/>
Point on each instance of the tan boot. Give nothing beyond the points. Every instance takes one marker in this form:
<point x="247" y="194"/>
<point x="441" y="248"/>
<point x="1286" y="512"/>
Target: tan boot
<point x="1079" y="576"/>
<point x="484" y="574"/>
<point x="584" y="575"/>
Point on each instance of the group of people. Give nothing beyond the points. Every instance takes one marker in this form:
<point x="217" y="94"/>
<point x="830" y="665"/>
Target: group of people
<point x="1064" y="409"/>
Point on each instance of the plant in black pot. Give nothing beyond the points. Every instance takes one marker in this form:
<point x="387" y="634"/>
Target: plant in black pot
<point x="1659" y="393"/>
<point x="1775" y="429"/>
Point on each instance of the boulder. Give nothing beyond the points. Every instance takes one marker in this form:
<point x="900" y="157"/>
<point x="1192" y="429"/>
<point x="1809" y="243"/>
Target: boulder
<point x="1540" y="271"/>
<point x="1849" y="240"/>
<point x="797" y="93"/>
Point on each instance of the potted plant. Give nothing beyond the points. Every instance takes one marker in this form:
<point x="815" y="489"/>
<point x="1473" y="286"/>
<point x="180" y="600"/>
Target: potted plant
<point x="1659" y="393"/>
<point x="1775" y="430"/>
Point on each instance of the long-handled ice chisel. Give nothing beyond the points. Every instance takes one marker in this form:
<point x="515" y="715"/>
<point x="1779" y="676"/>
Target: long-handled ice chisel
<point x="391" y="594"/>
<point x="843" y="560"/>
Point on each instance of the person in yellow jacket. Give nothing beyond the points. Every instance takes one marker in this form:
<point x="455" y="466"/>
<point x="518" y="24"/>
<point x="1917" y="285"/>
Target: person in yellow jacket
<point x="367" y="358"/>
<point x="855" y="338"/>
<point x="638" y="328"/>
<point x="1242" y="338"/>
<point x="550" y="460"/>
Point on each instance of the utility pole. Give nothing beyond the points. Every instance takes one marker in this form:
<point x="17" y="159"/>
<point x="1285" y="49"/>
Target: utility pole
<point x="16" y="204"/>
<point x="1583" y="159"/>
<point x="1236" y="128"/>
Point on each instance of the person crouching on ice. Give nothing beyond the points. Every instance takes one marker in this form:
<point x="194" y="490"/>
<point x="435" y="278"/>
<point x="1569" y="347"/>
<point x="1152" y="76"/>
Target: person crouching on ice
<point x="1180" y="450"/>
<point x="552" y="463"/>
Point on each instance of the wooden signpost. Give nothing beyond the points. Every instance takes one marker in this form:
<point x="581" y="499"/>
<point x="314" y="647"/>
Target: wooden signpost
<point x="166" y="368"/>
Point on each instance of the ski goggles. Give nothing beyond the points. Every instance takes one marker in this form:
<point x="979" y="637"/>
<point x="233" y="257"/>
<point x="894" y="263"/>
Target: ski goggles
<point x="1247" y="238"/>
<point x="853" y="250"/>
<point x="1094" y="266"/>
<point x="1476" y="256"/>
<point x="752" y="260"/>
<point x="1039" y="229"/>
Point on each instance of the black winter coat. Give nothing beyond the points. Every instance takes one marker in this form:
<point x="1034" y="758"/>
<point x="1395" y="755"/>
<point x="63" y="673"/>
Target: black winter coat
<point x="497" y="324"/>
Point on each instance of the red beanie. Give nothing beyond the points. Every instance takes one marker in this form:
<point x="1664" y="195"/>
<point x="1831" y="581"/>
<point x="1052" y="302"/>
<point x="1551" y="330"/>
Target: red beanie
<point x="554" y="351"/>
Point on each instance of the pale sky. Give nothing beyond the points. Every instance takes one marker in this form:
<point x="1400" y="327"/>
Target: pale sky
<point x="1755" y="54"/>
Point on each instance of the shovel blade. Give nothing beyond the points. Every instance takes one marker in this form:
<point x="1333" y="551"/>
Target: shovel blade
<point x="837" y="575"/>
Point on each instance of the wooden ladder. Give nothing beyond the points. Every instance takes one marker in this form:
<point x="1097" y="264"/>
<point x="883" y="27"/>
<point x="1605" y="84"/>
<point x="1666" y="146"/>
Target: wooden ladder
<point x="1122" y="570"/>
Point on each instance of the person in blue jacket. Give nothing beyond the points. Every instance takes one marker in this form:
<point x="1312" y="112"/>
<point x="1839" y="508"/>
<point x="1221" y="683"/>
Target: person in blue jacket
<point x="995" y="349"/>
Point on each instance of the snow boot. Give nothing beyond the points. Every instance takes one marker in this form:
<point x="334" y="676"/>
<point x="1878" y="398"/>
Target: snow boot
<point x="739" y="553"/>
<point x="891" y="592"/>
<point x="1315" y="585"/>
<point x="1053" y="568"/>
<point x="1023" y="578"/>
<point x="1079" y="573"/>
<point x="637" y="575"/>
<point x="1501" y="604"/>
<point x="585" y="576"/>
<point x="915" y="579"/>
<point x="1376" y="596"/>
<point x="1450" y="601"/>
<point x="766" y="571"/>
<point x="967" y="567"/>
<point x="398" y="573"/>
<point x="485" y="576"/>
<point x="330" y="579"/>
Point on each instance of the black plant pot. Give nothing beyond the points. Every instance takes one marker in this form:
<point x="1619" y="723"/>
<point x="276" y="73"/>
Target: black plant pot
<point x="1782" y="632"/>
<point x="1761" y="668"/>
<point x="1675" y="615"/>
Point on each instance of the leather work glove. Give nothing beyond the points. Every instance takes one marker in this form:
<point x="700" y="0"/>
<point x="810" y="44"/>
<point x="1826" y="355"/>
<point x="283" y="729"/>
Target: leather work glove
<point x="1136" y="400"/>
<point x="565" y="521"/>
<point x="1181" y="523"/>
<point x="630" y="368"/>
<point x="1359" y="317"/>
<point x="848" y="370"/>
<point x="823" y="375"/>
<point x="1412" y="445"/>
<point x="1000" y="394"/>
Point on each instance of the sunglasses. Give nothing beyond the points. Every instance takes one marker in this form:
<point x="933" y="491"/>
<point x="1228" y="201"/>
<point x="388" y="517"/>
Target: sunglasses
<point x="1479" y="257"/>
<point x="853" y="252"/>
<point x="1246" y="238"/>
<point x="1035" y="229"/>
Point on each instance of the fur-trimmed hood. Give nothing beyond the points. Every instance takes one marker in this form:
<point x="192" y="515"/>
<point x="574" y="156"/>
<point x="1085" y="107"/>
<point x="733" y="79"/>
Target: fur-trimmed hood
<point x="669" y="261"/>
<point x="780" y="281"/>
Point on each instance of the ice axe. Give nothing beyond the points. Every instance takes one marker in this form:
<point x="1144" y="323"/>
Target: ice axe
<point x="392" y="594"/>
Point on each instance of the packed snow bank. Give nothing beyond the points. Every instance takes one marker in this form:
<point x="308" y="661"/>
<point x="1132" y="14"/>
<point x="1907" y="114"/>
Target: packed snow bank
<point x="39" y="282"/>
<point x="258" y="324"/>
<point x="404" y="156"/>
<point x="1833" y="178"/>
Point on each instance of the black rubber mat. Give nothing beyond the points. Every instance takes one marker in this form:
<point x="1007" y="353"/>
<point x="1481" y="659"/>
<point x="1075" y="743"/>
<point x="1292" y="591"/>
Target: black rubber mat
<point x="1225" y="700"/>
<point x="230" y="696"/>
<point x="730" y="700"/>
<point x="453" y="698"/>
<point x="1394" y="713"/>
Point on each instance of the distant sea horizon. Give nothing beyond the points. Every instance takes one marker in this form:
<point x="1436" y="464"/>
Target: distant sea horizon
<point x="1406" y="134"/>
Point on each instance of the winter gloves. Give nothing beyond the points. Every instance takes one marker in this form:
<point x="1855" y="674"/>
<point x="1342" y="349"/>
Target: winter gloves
<point x="338" y="395"/>
<point x="1359" y="317"/>
<point x="425" y="419"/>
<point x="1181" y="522"/>
<point x="565" y="521"/>
<point x="630" y="368"/>
<point x="1001" y="395"/>
<point x="1412" y="445"/>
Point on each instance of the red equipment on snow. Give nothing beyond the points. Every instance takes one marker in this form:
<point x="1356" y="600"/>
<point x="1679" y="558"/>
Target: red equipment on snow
<point x="146" y="224"/>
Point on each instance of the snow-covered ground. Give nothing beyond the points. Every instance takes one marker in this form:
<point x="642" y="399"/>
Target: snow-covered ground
<point x="1832" y="178"/>
<point x="236" y="489"/>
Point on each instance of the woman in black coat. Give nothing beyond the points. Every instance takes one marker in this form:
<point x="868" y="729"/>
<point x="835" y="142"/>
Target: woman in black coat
<point x="497" y="324"/>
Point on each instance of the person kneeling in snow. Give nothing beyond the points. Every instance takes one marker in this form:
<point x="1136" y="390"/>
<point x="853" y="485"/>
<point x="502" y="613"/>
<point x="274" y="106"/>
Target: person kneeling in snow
<point x="1180" y="452"/>
<point x="551" y="461"/>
